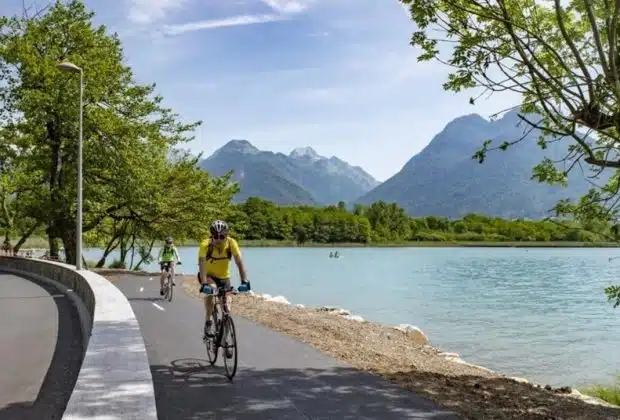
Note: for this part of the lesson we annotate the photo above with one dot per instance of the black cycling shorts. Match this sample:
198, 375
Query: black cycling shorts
220, 283
165, 265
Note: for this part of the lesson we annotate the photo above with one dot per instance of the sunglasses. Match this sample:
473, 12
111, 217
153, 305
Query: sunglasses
219, 236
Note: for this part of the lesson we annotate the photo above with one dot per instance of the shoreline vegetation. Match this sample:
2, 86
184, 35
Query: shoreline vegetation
261, 223
427, 244
38, 243
404, 356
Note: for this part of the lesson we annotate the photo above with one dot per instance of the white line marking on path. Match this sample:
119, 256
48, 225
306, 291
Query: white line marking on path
142, 289
150, 278
157, 306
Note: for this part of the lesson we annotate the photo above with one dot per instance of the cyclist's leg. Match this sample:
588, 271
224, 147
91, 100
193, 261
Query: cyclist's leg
226, 284
209, 303
162, 267
209, 306
172, 265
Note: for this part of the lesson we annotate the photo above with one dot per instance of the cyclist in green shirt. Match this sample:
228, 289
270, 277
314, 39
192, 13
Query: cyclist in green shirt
168, 256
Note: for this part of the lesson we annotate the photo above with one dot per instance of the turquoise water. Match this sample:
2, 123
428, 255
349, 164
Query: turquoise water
535, 313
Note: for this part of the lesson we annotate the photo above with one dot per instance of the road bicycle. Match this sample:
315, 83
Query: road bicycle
168, 281
224, 325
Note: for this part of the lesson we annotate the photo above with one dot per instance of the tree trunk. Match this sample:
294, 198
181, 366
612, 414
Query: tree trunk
133, 248
6, 246
144, 256
111, 246
69, 242
124, 249
25, 237
53, 244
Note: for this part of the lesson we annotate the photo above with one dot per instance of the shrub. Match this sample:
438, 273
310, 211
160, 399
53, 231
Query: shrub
117, 264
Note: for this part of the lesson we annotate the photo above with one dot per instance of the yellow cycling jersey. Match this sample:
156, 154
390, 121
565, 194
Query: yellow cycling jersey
218, 262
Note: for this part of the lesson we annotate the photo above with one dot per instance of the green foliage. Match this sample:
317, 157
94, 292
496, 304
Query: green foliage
261, 220
137, 187
613, 295
258, 219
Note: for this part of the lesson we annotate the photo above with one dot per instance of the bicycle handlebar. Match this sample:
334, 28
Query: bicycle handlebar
221, 291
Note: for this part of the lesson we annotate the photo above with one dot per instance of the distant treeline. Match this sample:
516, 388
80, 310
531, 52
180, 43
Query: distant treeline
381, 222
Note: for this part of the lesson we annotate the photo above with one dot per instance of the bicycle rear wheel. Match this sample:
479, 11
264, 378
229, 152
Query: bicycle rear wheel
229, 346
212, 342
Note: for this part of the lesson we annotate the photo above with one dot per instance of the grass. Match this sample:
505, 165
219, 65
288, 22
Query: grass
607, 393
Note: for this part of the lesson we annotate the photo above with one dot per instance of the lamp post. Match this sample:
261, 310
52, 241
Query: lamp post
72, 68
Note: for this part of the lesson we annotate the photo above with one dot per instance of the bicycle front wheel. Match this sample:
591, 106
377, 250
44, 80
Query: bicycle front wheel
230, 347
212, 342
170, 287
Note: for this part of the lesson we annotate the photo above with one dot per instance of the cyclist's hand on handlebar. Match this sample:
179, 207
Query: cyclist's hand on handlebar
245, 286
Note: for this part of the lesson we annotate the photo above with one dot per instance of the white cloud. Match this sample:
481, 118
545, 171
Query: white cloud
288, 6
147, 11
220, 23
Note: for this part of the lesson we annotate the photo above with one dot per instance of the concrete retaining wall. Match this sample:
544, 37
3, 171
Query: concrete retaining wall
115, 380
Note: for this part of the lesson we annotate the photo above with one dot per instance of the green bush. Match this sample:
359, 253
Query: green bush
117, 264
429, 237
495, 237
470, 237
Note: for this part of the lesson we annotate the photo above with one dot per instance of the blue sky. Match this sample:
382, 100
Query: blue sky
337, 75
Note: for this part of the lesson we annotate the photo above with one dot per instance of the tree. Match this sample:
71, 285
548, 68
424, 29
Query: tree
388, 221
127, 131
180, 200
561, 58
18, 193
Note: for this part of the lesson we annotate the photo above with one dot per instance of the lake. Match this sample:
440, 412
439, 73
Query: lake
534, 313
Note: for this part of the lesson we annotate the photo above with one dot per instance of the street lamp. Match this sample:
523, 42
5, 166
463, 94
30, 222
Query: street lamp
72, 68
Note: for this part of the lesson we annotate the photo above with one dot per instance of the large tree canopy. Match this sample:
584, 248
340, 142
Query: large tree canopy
560, 57
129, 135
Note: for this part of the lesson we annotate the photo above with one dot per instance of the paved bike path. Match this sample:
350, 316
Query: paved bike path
40, 349
278, 377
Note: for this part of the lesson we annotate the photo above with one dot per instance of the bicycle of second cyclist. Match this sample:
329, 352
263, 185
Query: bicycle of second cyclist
168, 280
223, 324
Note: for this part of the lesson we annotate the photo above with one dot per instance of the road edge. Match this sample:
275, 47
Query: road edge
115, 366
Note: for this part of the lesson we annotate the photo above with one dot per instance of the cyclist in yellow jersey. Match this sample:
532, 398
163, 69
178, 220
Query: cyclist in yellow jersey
214, 258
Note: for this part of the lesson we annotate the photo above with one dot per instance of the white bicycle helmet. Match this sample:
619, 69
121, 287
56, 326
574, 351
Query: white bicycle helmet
218, 227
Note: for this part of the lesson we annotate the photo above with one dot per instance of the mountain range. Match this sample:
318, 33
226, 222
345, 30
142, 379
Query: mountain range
444, 180
441, 180
301, 177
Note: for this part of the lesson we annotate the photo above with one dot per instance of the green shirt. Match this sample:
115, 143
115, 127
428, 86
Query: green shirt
168, 254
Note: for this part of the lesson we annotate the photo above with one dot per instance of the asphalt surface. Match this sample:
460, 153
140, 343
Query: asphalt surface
278, 377
40, 349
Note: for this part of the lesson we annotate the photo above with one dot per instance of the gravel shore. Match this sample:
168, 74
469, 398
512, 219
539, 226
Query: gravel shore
407, 359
